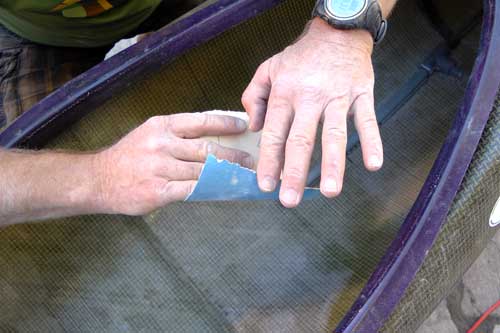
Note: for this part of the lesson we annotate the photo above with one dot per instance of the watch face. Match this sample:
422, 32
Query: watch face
345, 9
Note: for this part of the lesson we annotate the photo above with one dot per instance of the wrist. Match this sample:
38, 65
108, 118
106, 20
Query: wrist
359, 39
101, 195
82, 190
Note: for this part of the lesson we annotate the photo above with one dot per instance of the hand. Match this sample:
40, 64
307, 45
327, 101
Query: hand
323, 75
160, 161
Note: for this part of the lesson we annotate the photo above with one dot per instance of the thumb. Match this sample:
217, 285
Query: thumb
177, 191
256, 95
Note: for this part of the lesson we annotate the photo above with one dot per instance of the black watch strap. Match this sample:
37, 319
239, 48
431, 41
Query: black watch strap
370, 19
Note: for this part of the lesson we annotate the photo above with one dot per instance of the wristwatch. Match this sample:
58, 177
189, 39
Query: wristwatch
353, 14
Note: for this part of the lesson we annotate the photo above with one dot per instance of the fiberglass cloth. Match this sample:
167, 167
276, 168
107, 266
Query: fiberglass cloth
229, 267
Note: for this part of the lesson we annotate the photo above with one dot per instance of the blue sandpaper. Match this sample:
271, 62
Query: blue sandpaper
221, 180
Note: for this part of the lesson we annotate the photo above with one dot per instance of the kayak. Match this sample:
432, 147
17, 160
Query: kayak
378, 258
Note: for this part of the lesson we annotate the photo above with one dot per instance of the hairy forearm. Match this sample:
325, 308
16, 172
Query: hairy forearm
387, 6
41, 185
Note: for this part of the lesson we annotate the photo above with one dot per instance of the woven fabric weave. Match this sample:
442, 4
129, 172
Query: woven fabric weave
462, 238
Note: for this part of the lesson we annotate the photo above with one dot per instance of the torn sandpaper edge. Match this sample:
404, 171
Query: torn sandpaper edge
221, 180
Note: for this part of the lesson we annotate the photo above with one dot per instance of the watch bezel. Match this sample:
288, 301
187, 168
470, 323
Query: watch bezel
329, 11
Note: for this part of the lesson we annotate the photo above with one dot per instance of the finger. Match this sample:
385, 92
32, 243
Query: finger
181, 171
368, 131
299, 149
177, 191
272, 145
256, 96
197, 150
195, 125
334, 148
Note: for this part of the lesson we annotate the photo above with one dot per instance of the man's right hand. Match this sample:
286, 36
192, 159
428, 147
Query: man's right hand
160, 161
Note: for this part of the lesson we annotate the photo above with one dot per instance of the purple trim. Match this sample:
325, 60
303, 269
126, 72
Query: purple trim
406, 254
79, 96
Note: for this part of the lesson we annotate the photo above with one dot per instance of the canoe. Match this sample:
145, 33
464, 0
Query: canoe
378, 258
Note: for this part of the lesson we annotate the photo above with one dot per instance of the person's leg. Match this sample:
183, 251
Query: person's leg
29, 71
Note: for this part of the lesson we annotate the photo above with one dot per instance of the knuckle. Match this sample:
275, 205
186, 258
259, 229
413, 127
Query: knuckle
188, 171
225, 153
365, 89
336, 134
230, 122
272, 138
272, 142
172, 123
332, 165
195, 171
204, 120
153, 143
201, 149
207, 148
228, 154
368, 123
341, 99
158, 121
195, 120
240, 156
281, 89
173, 169
263, 68
153, 120
293, 175
301, 142
281, 105
246, 99
159, 191
311, 93
235, 155
156, 165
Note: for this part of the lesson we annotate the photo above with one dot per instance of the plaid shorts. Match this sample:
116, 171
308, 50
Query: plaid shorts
30, 71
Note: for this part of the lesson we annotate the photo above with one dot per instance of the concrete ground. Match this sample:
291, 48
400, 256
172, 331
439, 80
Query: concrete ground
478, 290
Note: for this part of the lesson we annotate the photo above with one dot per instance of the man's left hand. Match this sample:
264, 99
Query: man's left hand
324, 75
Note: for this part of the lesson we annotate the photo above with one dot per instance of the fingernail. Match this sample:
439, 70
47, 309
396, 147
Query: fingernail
331, 186
374, 162
248, 161
241, 124
210, 148
268, 184
290, 197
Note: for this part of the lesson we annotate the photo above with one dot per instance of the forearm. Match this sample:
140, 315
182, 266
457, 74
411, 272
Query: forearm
42, 185
387, 6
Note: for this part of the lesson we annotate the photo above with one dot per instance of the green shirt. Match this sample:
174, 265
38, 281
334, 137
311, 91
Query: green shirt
74, 23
